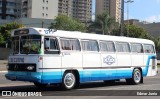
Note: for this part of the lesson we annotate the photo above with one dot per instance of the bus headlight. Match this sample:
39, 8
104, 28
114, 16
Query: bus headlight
30, 68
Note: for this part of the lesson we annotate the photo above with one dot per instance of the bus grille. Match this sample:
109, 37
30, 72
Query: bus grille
21, 67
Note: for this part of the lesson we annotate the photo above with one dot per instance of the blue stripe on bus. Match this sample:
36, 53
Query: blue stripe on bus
41, 77
145, 70
85, 75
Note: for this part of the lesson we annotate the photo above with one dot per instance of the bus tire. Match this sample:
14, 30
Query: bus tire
69, 80
136, 77
39, 85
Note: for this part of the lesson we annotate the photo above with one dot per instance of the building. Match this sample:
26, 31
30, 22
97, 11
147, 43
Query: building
65, 7
112, 6
9, 9
80, 9
45, 9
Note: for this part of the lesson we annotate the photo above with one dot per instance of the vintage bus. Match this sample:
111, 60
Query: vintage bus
68, 58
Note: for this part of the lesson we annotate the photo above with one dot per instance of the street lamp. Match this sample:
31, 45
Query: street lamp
122, 18
128, 1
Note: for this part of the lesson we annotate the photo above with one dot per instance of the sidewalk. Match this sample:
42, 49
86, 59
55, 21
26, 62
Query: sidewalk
3, 64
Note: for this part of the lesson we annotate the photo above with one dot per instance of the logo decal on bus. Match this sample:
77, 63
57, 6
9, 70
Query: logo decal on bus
109, 60
49, 31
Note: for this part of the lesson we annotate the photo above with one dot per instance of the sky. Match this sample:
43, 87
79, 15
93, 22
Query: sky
144, 10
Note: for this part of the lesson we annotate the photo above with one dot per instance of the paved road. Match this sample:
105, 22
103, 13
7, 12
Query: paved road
94, 90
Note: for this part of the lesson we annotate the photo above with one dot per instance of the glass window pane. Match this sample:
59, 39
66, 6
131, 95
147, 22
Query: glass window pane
53, 44
107, 46
90, 45
137, 48
148, 48
70, 44
122, 47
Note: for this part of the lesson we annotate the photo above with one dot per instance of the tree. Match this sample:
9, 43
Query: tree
134, 31
63, 22
104, 23
5, 32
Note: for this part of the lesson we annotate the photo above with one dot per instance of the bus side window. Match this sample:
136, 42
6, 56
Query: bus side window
51, 46
148, 48
136, 48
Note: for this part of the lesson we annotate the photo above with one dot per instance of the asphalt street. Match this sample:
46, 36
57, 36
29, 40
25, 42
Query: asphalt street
92, 90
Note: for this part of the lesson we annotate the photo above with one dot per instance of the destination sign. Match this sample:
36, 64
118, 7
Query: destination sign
20, 32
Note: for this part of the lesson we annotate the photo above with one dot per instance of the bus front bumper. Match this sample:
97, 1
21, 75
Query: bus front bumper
44, 78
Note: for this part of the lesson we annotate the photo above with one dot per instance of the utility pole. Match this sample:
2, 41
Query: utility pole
128, 1
122, 18
42, 23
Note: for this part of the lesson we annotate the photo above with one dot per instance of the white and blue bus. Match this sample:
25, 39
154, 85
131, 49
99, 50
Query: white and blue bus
45, 57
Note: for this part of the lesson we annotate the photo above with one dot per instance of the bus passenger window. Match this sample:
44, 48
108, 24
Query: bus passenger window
90, 45
107, 46
70, 44
148, 48
51, 46
122, 47
136, 48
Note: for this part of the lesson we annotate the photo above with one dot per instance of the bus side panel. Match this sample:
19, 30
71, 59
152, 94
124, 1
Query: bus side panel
52, 72
124, 64
109, 65
150, 65
137, 60
91, 66
71, 60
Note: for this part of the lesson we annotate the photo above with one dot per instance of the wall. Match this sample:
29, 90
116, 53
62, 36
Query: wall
4, 53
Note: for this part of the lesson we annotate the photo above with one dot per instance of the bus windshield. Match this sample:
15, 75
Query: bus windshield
30, 44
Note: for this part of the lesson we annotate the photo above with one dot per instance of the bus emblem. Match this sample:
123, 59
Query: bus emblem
109, 60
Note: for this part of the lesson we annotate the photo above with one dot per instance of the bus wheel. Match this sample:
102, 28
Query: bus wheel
136, 77
39, 85
69, 80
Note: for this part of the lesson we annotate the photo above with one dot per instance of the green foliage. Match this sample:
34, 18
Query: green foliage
138, 32
134, 31
5, 32
2, 42
103, 23
63, 22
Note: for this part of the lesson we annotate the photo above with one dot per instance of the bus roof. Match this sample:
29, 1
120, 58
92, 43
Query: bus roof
76, 34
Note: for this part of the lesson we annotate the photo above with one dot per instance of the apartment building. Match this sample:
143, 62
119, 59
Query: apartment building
80, 9
65, 7
112, 6
45, 9
9, 9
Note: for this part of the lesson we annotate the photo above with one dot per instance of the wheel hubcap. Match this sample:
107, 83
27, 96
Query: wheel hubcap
137, 76
69, 80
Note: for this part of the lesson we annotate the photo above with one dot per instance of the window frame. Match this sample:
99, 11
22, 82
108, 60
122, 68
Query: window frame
137, 52
98, 50
123, 51
154, 51
51, 51
103, 41
62, 38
